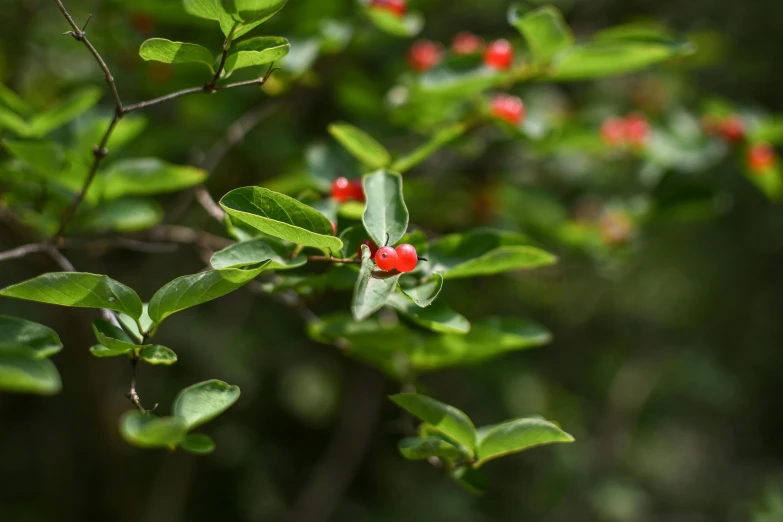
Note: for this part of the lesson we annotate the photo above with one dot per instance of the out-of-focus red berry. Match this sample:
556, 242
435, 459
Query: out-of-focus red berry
424, 55
466, 42
761, 156
357, 190
397, 7
342, 190
732, 129
636, 129
509, 108
371, 245
334, 227
613, 130
499, 54
142, 22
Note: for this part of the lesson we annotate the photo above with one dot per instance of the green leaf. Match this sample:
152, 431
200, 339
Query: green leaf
424, 294
485, 252
198, 443
112, 338
361, 145
204, 401
441, 138
46, 158
438, 317
157, 354
769, 181
148, 431
257, 51
281, 216
146, 176
210, 9
90, 131
611, 58
405, 26
352, 237
101, 351
545, 30
166, 51
12, 100
14, 123
78, 289
450, 81
192, 290
37, 340
254, 251
446, 419
23, 374
373, 287
253, 11
518, 435
124, 215
385, 215
414, 448
473, 480
79, 103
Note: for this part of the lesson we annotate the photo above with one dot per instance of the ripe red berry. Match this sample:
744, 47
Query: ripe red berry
509, 108
397, 7
636, 129
499, 54
466, 43
424, 55
407, 258
357, 190
341, 189
613, 130
761, 156
732, 129
386, 258
371, 245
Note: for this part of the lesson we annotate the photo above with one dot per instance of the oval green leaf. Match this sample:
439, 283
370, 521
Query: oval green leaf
204, 401
35, 340
385, 215
438, 317
252, 11
192, 290
361, 145
78, 289
439, 139
516, 436
112, 337
157, 354
198, 444
544, 29
281, 216
102, 351
166, 51
373, 287
414, 448
405, 26
148, 431
424, 294
145, 176
255, 251
23, 374
446, 419
256, 51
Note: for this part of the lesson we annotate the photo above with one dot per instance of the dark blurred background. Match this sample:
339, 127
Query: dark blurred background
665, 363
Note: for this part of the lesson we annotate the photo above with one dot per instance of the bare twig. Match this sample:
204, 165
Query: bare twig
22, 251
178, 234
328, 259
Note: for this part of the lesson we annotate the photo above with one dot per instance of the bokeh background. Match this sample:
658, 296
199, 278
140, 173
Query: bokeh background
666, 358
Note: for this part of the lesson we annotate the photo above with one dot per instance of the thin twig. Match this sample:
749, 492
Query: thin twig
22, 251
179, 234
328, 259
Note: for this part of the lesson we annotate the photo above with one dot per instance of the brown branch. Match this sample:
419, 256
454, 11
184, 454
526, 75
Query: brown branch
328, 259
179, 234
22, 251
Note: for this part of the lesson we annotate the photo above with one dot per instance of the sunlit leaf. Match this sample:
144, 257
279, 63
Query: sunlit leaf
166, 51
204, 401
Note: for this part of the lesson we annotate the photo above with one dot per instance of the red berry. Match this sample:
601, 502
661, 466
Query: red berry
761, 156
386, 258
424, 55
732, 129
466, 43
613, 130
371, 245
636, 129
406, 258
499, 54
334, 227
398, 7
357, 190
509, 108
341, 189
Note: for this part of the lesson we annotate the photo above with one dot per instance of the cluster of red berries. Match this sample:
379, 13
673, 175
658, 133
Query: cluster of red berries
396, 7
760, 157
630, 130
344, 190
426, 54
404, 257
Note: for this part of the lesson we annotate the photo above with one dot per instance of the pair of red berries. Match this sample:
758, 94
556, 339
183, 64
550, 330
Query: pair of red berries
509, 108
761, 156
404, 257
344, 190
396, 7
631, 130
731, 129
425, 54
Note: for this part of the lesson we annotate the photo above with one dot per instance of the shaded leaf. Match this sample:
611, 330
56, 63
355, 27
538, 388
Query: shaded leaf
414, 448
385, 216
281, 216
405, 26
78, 289
473, 480
545, 30
124, 215
102, 351
424, 294
112, 338
45, 122
254, 251
148, 431
23, 374
257, 51
518, 435
38, 341
198, 443
436, 142
145, 176
447, 419
360, 144
204, 401
166, 51
373, 287
46, 158
192, 290
438, 317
